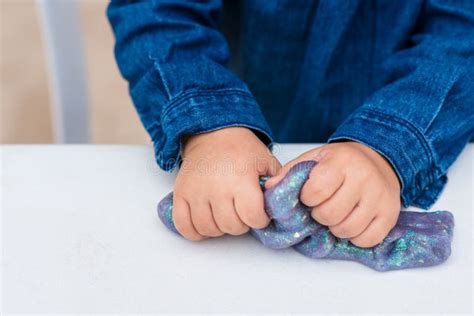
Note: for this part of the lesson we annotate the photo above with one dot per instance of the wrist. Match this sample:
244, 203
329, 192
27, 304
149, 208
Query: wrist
215, 138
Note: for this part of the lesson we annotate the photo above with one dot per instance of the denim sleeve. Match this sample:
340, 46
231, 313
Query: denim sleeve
422, 118
174, 57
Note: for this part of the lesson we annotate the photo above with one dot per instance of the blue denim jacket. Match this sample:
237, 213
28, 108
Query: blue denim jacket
397, 76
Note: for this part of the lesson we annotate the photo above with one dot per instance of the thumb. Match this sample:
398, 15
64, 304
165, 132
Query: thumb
281, 173
309, 155
268, 166
273, 167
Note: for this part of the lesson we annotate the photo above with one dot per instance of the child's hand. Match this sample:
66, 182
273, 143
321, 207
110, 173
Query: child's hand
217, 190
353, 190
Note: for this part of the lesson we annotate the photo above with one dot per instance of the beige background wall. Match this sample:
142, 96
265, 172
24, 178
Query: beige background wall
24, 99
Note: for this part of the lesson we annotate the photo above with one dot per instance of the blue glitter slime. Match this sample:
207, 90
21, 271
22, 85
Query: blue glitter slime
417, 240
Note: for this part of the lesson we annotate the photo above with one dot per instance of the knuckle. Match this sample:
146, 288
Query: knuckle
331, 221
230, 222
254, 215
308, 194
180, 223
317, 189
322, 216
217, 233
328, 216
205, 229
226, 227
337, 231
238, 230
208, 232
368, 241
323, 192
343, 231
339, 215
232, 228
256, 220
360, 242
201, 230
187, 231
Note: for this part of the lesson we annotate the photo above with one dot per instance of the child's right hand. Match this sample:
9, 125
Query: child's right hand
217, 189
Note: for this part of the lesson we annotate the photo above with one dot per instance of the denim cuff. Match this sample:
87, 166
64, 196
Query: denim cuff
404, 146
198, 112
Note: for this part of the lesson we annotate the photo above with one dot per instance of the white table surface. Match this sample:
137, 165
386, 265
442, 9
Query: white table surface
80, 234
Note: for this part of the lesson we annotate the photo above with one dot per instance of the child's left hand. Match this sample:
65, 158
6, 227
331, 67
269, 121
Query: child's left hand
353, 190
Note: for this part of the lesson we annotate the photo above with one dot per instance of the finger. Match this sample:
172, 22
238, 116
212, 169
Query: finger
226, 217
334, 210
324, 181
355, 223
203, 220
309, 155
182, 220
273, 167
374, 234
248, 204
267, 165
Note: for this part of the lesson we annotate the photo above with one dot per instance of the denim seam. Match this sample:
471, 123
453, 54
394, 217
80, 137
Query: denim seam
157, 68
199, 105
188, 95
245, 100
244, 103
453, 78
382, 118
426, 203
378, 121
421, 142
